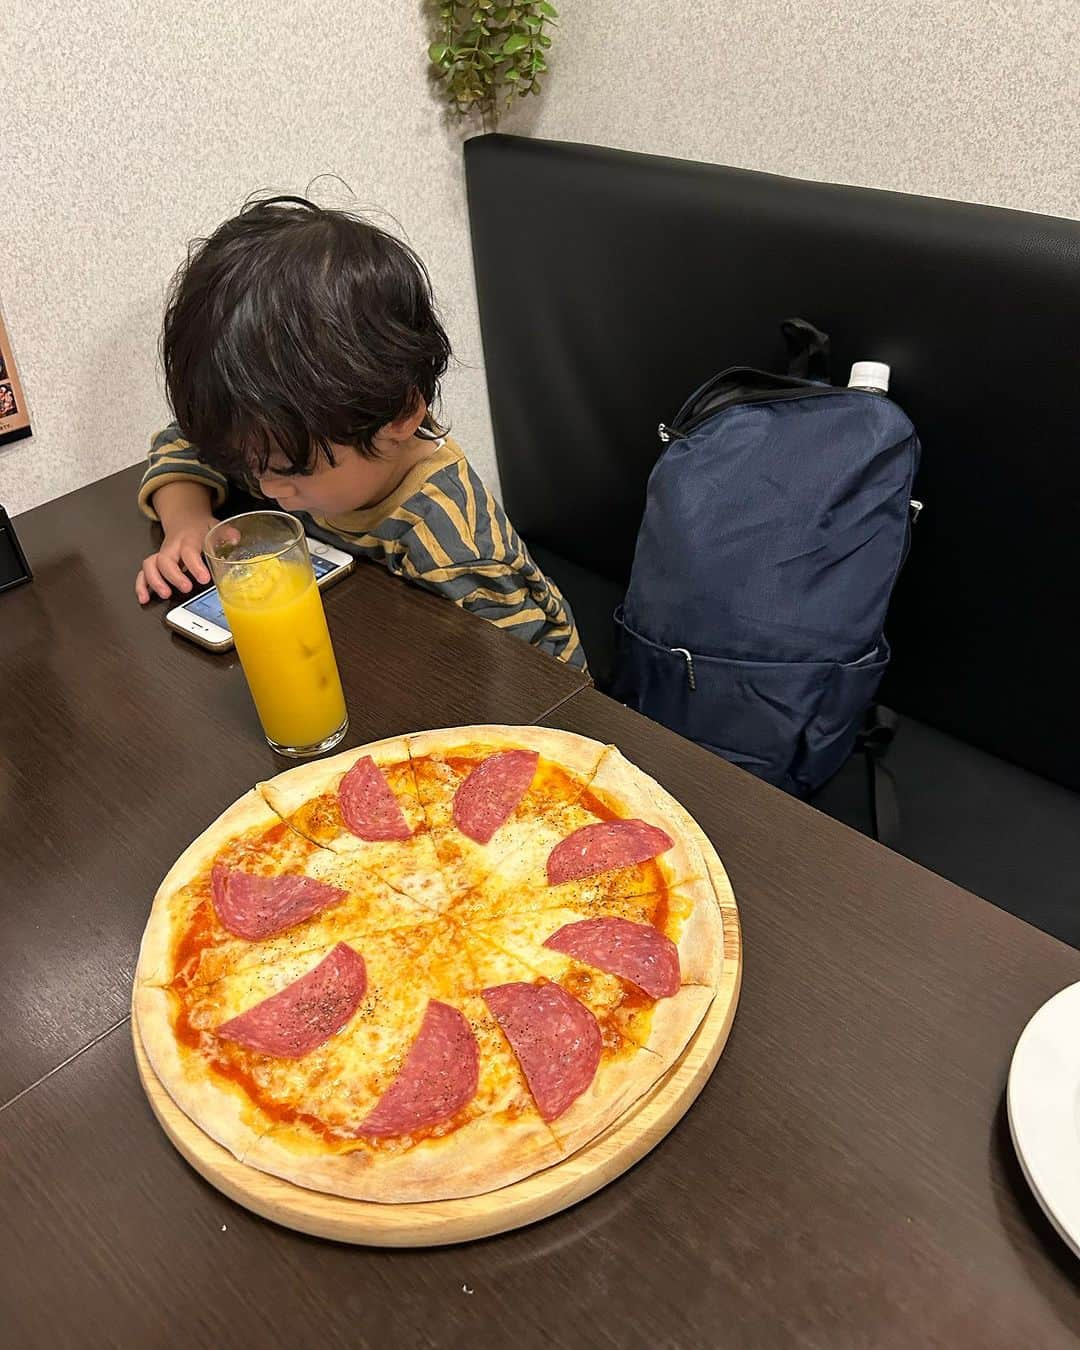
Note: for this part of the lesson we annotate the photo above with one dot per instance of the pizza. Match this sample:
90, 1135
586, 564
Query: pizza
429, 967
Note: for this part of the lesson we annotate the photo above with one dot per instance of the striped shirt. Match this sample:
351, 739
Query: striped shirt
440, 528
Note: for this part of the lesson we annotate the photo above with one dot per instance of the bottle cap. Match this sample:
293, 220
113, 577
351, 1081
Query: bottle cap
870, 375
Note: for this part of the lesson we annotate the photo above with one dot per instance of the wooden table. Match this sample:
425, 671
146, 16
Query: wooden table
846, 1178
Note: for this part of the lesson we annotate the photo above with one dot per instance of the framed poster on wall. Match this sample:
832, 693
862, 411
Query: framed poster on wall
14, 418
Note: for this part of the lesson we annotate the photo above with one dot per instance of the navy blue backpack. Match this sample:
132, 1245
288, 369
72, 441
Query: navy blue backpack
776, 522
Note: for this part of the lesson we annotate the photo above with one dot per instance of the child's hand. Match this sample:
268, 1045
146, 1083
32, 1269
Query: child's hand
177, 560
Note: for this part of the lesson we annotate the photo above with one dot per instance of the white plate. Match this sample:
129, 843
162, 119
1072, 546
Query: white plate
1044, 1109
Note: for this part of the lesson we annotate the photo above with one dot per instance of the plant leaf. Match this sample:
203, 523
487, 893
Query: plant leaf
488, 53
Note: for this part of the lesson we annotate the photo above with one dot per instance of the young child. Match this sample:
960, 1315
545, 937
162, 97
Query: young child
302, 356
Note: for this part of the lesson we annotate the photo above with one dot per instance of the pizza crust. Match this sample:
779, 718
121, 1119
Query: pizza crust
481, 1156
676, 1019
701, 937
224, 1112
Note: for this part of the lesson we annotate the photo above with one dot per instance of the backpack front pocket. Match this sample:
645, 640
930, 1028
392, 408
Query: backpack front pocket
790, 723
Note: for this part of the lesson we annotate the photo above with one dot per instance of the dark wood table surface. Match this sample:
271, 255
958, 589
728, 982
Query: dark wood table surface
845, 1179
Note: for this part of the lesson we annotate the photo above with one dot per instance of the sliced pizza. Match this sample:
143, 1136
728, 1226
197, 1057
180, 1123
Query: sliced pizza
571, 1038
363, 806
267, 893
485, 796
438, 1109
429, 967
612, 843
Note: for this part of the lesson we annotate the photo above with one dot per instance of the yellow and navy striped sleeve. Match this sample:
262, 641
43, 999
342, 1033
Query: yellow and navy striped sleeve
451, 536
504, 584
174, 460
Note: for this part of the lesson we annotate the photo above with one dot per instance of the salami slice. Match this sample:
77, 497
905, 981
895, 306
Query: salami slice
556, 1039
368, 806
490, 793
290, 1024
636, 951
606, 845
438, 1078
255, 907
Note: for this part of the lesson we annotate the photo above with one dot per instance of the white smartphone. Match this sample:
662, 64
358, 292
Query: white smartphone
202, 618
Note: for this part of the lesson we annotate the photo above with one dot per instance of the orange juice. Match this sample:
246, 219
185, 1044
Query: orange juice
276, 616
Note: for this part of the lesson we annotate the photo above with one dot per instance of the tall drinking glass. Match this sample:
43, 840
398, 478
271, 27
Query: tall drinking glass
263, 573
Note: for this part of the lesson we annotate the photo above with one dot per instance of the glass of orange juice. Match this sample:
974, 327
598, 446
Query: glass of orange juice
267, 587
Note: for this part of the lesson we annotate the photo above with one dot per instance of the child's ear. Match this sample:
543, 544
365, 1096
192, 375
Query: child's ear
406, 426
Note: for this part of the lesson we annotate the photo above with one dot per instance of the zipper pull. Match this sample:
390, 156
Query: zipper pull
916, 511
665, 433
690, 680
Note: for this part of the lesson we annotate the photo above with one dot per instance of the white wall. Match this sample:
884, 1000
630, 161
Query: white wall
127, 127
974, 99
130, 126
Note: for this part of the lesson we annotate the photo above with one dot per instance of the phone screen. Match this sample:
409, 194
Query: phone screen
208, 605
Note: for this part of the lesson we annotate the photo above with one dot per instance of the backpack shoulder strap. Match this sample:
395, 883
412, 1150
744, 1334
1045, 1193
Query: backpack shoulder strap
808, 349
878, 731
808, 365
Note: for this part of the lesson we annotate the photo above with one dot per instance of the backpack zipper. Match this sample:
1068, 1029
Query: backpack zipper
668, 434
690, 680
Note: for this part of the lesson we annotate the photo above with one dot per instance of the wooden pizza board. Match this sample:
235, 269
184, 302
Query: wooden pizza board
436, 1223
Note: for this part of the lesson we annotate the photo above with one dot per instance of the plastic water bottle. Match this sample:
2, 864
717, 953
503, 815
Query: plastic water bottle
873, 376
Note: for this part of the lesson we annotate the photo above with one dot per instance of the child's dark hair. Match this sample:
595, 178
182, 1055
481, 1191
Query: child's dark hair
294, 327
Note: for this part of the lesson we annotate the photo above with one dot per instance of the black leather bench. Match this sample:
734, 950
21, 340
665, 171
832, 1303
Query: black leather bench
611, 284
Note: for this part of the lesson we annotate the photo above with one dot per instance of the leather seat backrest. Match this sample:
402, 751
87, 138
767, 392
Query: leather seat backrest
611, 284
